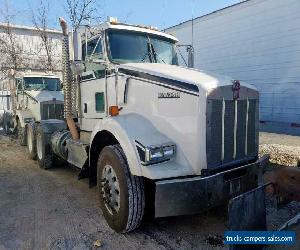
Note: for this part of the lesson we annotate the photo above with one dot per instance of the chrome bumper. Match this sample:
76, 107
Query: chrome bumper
196, 194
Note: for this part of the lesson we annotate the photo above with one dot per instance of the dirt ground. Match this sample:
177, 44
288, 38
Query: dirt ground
51, 209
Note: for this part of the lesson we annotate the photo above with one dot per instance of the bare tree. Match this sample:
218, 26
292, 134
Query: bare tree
81, 11
10, 49
12, 58
40, 22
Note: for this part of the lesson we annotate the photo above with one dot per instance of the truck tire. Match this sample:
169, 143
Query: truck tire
1, 117
21, 132
8, 124
121, 194
45, 156
31, 141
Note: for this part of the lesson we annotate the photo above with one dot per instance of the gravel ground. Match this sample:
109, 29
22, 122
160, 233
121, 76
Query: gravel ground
284, 150
53, 210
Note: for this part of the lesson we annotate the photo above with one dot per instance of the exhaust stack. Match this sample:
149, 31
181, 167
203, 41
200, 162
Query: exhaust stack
67, 80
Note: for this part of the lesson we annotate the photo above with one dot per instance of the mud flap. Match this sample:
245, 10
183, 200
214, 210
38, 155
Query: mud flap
247, 212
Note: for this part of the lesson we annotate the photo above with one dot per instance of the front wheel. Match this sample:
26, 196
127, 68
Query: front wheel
122, 197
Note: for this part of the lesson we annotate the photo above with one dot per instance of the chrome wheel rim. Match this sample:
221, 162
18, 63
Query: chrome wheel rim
110, 190
39, 146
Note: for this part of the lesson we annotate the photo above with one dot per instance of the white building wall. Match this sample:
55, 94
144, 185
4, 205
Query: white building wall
4, 100
33, 52
257, 41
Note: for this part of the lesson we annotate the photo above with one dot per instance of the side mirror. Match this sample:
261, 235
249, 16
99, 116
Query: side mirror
190, 55
190, 51
19, 84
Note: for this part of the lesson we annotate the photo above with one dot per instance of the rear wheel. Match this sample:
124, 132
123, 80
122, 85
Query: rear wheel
121, 194
1, 117
45, 156
31, 141
22, 137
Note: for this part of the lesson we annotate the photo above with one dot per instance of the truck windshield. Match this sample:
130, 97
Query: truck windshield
42, 83
129, 46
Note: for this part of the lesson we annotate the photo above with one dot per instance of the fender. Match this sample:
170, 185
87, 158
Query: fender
25, 117
128, 129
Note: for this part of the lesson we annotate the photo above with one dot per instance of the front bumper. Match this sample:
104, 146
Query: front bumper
196, 194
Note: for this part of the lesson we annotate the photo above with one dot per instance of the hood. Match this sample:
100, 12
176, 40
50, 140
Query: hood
205, 80
44, 95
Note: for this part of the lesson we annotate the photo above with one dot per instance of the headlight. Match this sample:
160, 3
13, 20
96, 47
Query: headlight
169, 151
155, 154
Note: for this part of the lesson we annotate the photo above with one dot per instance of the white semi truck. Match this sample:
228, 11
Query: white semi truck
34, 97
152, 135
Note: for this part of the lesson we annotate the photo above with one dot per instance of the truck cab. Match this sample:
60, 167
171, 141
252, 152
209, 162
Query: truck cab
114, 45
149, 133
37, 97
41, 96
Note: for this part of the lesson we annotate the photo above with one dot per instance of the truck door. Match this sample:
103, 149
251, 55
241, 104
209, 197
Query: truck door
93, 81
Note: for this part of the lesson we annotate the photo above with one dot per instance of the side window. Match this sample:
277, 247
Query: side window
94, 49
99, 101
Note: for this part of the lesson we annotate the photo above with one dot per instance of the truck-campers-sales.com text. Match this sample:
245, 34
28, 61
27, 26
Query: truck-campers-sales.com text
261, 239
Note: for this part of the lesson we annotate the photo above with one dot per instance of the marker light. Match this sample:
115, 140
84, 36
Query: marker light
113, 20
114, 110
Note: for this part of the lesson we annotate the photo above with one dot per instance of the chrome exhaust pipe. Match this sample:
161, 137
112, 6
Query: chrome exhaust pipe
67, 81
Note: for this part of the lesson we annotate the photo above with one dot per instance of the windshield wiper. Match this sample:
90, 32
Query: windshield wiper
148, 53
155, 55
151, 53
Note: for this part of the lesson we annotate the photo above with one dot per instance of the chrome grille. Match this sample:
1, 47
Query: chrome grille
232, 130
52, 111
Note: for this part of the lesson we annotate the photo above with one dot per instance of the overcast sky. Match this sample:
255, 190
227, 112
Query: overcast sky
158, 13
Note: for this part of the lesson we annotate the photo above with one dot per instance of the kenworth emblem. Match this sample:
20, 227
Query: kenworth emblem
169, 95
236, 86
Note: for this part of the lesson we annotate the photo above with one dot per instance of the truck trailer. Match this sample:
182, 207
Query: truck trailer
152, 135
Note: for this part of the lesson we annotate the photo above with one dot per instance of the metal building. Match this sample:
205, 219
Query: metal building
257, 41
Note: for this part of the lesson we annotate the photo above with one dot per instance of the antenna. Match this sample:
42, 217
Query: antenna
193, 6
163, 13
